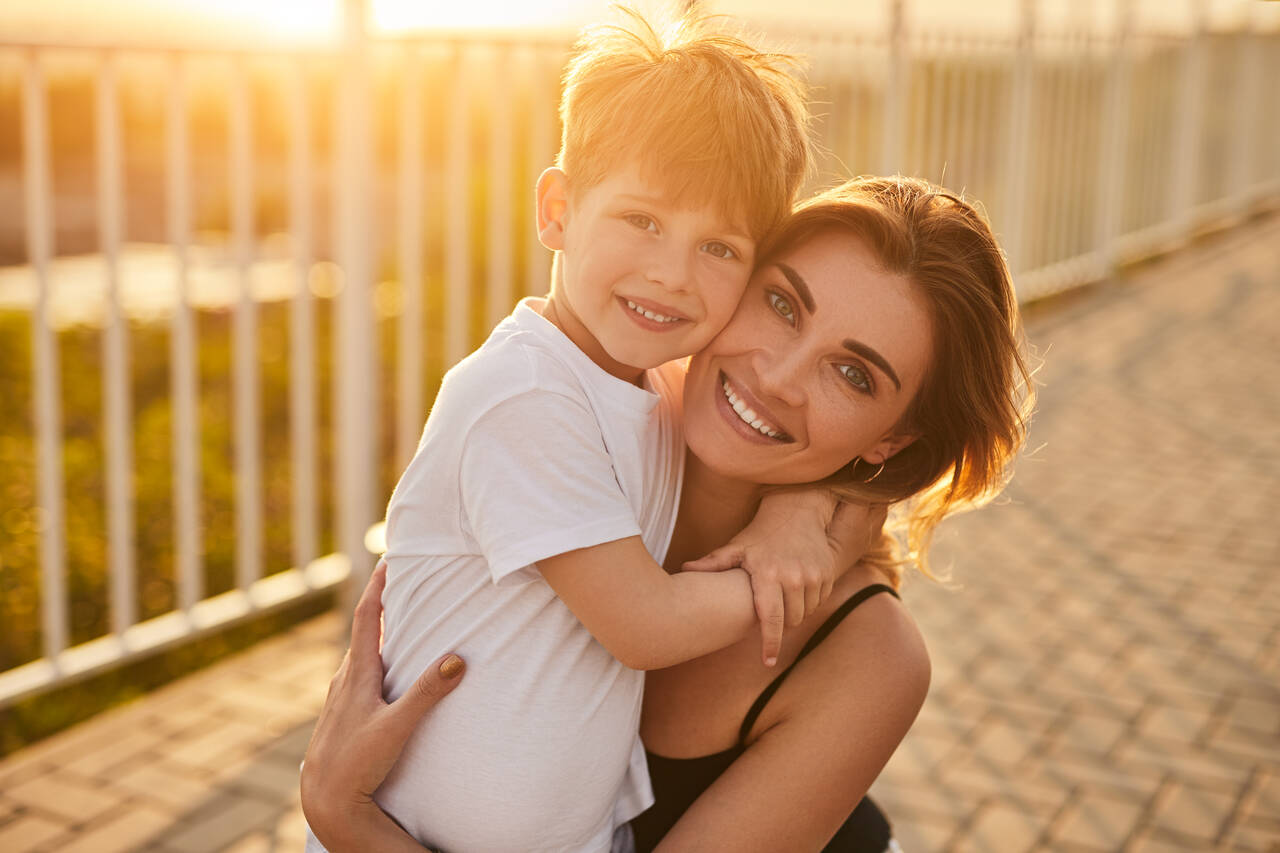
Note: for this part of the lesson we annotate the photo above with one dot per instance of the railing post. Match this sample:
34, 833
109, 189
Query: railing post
1188, 145
542, 153
355, 413
246, 384
1247, 108
457, 225
302, 332
183, 347
500, 260
115, 356
896, 89
410, 408
1115, 143
1021, 86
50, 489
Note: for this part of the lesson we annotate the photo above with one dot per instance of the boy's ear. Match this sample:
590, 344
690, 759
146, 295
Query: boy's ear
552, 207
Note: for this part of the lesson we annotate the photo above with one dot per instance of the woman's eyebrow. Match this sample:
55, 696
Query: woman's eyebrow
799, 284
858, 348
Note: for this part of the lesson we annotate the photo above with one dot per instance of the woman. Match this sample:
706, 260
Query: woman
879, 342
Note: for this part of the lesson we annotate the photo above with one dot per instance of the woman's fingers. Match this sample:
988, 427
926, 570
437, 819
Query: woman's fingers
432, 686
366, 622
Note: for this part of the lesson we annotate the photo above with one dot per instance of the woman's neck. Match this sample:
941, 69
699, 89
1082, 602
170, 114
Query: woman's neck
713, 508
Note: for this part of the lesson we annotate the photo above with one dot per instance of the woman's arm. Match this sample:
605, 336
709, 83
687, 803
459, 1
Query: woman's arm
359, 737
821, 741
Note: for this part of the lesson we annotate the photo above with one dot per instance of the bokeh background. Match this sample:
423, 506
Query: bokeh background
241, 243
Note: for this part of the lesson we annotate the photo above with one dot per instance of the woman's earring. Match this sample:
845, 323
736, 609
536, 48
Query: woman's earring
854, 470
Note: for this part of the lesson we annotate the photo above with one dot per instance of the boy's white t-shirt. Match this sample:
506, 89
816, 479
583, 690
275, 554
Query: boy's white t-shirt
531, 450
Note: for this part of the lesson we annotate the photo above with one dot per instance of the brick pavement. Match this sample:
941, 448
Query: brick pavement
209, 763
1106, 661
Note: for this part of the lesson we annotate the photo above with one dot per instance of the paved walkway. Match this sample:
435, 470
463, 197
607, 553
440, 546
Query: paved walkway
1106, 667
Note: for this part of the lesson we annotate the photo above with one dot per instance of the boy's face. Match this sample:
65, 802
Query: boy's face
642, 280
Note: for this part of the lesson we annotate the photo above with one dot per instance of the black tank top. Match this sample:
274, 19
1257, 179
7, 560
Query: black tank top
677, 782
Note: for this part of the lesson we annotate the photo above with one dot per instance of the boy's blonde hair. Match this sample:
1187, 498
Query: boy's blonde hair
705, 114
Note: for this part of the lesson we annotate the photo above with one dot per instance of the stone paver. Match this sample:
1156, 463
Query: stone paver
1129, 582
1106, 664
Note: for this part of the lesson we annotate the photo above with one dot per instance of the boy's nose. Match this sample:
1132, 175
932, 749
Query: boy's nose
670, 271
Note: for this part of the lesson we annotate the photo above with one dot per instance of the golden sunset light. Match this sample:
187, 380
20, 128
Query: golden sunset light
632, 357
482, 14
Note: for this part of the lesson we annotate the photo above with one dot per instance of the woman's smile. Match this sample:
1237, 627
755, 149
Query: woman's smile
745, 413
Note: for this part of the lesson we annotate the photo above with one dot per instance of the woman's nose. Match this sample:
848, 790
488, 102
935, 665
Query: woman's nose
779, 371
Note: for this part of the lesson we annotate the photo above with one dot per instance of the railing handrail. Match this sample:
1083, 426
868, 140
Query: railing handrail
1009, 120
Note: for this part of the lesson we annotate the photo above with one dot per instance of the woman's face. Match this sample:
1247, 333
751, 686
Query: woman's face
817, 366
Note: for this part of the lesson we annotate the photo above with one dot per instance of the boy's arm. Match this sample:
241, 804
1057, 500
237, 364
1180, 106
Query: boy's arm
794, 549
645, 617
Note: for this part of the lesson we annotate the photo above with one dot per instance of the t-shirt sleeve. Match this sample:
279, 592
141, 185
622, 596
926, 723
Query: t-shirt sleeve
537, 481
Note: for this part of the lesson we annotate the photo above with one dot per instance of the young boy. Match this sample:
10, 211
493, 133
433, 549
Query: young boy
527, 532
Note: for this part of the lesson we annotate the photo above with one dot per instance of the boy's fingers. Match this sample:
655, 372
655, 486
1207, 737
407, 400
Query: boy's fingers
812, 598
432, 686
770, 613
726, 557
794, 607
366, 622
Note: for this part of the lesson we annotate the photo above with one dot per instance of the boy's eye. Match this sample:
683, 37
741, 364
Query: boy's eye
856, 375
781, 306
720, 250
639, 220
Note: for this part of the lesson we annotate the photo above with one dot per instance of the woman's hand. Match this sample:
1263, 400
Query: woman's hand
795, 547
359, 736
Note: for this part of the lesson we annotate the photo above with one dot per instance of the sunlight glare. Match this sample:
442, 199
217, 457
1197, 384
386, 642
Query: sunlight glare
288, 18
482, 14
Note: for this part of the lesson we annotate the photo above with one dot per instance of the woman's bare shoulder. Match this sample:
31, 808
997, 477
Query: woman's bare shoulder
876, 654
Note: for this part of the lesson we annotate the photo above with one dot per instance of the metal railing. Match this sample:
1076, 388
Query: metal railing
1089, 148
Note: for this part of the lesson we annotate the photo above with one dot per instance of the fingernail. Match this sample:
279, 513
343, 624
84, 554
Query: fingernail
452, 666
770, 661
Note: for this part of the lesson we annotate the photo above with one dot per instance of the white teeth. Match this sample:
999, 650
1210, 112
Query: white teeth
747, 415
658, 318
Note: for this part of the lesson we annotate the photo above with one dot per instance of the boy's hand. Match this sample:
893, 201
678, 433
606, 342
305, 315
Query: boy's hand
791, 559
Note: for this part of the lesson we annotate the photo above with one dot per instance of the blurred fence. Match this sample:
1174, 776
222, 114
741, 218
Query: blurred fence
400, 171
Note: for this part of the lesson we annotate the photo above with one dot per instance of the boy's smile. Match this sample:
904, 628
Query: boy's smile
641, 279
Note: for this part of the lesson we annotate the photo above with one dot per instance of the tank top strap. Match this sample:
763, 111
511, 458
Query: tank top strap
818, 636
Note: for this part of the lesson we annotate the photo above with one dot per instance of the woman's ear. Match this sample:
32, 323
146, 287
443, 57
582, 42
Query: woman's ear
889, 445
552, 207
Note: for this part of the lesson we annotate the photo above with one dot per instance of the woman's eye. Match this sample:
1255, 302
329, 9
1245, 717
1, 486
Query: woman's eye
782, 306
719, 250
641, 221
858, 377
